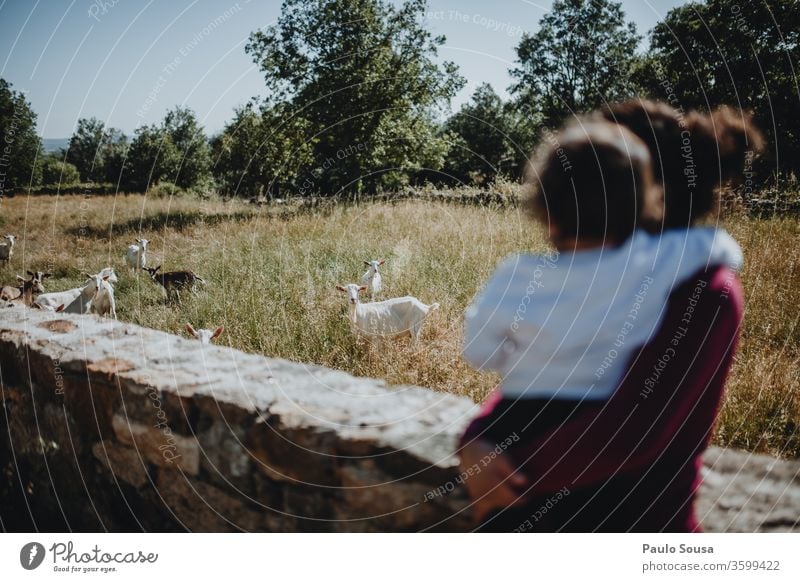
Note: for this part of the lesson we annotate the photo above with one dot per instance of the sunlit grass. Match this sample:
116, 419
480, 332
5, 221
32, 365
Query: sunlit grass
272, 274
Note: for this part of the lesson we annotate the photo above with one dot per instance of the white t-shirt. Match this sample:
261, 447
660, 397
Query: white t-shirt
565, 325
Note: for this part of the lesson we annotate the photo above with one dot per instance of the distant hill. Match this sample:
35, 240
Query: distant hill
53, 144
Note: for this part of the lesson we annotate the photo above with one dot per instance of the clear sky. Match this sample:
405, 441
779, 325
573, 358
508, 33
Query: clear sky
126, 62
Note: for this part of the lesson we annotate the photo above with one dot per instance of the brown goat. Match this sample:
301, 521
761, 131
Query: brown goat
174, 281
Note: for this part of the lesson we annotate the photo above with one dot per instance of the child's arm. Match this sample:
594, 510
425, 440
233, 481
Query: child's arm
488, 320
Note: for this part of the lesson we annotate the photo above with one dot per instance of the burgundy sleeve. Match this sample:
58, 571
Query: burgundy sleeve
668, 398
481, 423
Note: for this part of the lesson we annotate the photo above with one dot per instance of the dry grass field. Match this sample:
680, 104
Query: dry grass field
272, 273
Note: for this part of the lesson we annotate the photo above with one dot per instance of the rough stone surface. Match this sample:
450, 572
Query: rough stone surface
158, 444
124, 462
747, 492
110, 426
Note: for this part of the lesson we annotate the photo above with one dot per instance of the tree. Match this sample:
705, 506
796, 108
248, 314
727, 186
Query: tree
58, 172
115, 153
483, 142
186, 135
97, 151
176, 151
581, 57
85, 149
151, 158
743, 54
362, 76
20, 145
258, 152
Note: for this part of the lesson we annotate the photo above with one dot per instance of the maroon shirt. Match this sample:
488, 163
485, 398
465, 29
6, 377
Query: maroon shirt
631, 463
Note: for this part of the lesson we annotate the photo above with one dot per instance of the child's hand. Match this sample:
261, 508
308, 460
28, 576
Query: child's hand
493, 482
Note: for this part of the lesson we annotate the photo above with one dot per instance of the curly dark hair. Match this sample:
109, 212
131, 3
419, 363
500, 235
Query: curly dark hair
694, 154
592, 180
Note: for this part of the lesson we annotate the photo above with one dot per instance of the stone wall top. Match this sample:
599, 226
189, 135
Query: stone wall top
143, 430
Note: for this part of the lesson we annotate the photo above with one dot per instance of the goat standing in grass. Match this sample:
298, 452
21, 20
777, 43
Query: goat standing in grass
174, 281
103, 302
393, 318
372, 278
204, 335
136, 255
7, 248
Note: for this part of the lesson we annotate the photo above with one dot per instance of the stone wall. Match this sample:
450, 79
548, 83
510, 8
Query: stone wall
110, 426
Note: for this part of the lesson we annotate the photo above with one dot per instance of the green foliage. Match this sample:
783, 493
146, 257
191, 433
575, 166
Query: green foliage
742, 54
581, 57
97, 152
151, 158
362, 76
55, 171
175, 151
193, 153
85, 149
115, 152
165, 190
258, 153
20, 145
490, 138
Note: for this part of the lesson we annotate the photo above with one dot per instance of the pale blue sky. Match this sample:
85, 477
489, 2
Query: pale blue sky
127, 62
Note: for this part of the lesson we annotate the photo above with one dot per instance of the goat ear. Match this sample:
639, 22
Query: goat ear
190, 330
31, 274
60, 308
106, 277
88, 276
20, 278
367, 263
218, 332
46, 275
382, 261
340, 288
362, 288
36, 305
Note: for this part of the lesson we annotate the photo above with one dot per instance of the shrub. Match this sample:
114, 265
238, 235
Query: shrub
58, 172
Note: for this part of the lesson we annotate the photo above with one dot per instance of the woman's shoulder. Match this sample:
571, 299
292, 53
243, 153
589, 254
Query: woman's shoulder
715, 286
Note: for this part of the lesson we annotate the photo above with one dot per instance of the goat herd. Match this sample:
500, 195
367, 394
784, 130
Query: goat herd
391, 318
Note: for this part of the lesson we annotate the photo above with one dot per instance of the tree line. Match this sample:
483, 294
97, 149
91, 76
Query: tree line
356, 100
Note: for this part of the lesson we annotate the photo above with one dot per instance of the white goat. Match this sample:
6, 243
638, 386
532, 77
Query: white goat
372, 278
53, 300
7, 248
392, 318
103, 301
136, 255
83, 302
204, 335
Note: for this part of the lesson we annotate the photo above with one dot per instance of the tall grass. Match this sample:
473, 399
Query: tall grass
272, 275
